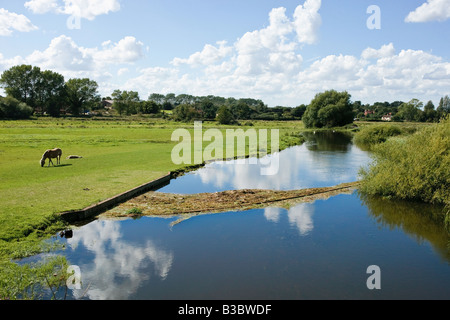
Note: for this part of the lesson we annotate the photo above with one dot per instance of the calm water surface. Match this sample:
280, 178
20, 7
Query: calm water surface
317, 250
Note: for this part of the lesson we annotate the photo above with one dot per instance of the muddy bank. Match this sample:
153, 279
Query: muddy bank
165, 204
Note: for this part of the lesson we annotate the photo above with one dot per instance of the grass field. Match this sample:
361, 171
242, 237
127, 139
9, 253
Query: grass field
117, 155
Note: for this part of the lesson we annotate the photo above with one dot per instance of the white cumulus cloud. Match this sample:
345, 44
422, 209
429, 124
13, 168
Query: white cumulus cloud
42, 6
209, 55
10, 21
385, 51
432, 10
87, 9
308, 21
65, 56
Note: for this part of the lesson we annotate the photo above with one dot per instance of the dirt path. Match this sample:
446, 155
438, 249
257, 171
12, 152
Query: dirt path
164, 204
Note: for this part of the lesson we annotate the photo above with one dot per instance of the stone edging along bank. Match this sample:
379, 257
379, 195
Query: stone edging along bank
98, 208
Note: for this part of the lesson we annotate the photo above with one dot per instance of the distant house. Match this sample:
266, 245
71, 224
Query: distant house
367, 112
107, 104
387, 117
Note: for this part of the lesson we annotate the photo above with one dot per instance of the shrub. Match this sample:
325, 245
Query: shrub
372, 135
414, 168
134, 211
11, 108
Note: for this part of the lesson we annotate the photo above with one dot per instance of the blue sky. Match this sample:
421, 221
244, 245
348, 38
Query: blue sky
283, 52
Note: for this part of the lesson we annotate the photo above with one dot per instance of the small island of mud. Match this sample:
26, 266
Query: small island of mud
166, 204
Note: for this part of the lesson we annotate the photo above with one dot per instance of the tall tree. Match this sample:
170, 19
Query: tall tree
208, 109
411, 111
241, 111
224, 115
157, 98
299, 111
329, 109
82, 94
126, 101
429, 112
148, 107
185, 112
51, 92
22, 83
444, 106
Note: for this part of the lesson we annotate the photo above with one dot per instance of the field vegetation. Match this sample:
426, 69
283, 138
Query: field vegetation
413, 167
117, 154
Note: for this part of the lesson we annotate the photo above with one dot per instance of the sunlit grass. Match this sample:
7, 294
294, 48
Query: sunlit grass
117, 155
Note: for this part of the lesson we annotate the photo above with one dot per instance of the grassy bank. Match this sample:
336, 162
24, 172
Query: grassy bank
118, 154
413, 167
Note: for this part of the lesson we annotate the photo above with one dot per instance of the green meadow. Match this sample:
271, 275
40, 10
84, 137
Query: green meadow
117, 155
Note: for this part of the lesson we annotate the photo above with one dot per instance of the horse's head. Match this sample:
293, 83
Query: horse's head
42, 162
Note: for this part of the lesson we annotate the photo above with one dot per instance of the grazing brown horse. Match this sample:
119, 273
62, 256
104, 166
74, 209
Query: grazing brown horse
51, 154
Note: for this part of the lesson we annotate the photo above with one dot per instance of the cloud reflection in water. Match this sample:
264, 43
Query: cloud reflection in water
300, 217
118, 268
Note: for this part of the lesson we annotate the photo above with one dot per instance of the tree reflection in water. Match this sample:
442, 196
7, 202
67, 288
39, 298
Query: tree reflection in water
421, 221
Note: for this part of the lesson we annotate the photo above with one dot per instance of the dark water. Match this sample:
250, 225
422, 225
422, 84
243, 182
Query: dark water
317, 250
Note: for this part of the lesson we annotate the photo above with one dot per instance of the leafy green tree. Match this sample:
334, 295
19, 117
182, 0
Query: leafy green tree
82, 94
411, 111
36, 88
208, 109
126, 101
299, 111
167, 106
430, 113
185, 99
241, 111
157, 98
22, 83
148, 107
444, 107
329, 109
171, 99
52, 92
185, 112
225, 116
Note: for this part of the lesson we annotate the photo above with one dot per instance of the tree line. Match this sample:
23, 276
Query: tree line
33, 91
45, 92
413, 110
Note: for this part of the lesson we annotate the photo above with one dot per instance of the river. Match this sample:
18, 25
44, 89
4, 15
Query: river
319, 250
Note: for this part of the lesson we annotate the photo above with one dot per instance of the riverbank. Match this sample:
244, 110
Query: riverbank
118, 154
